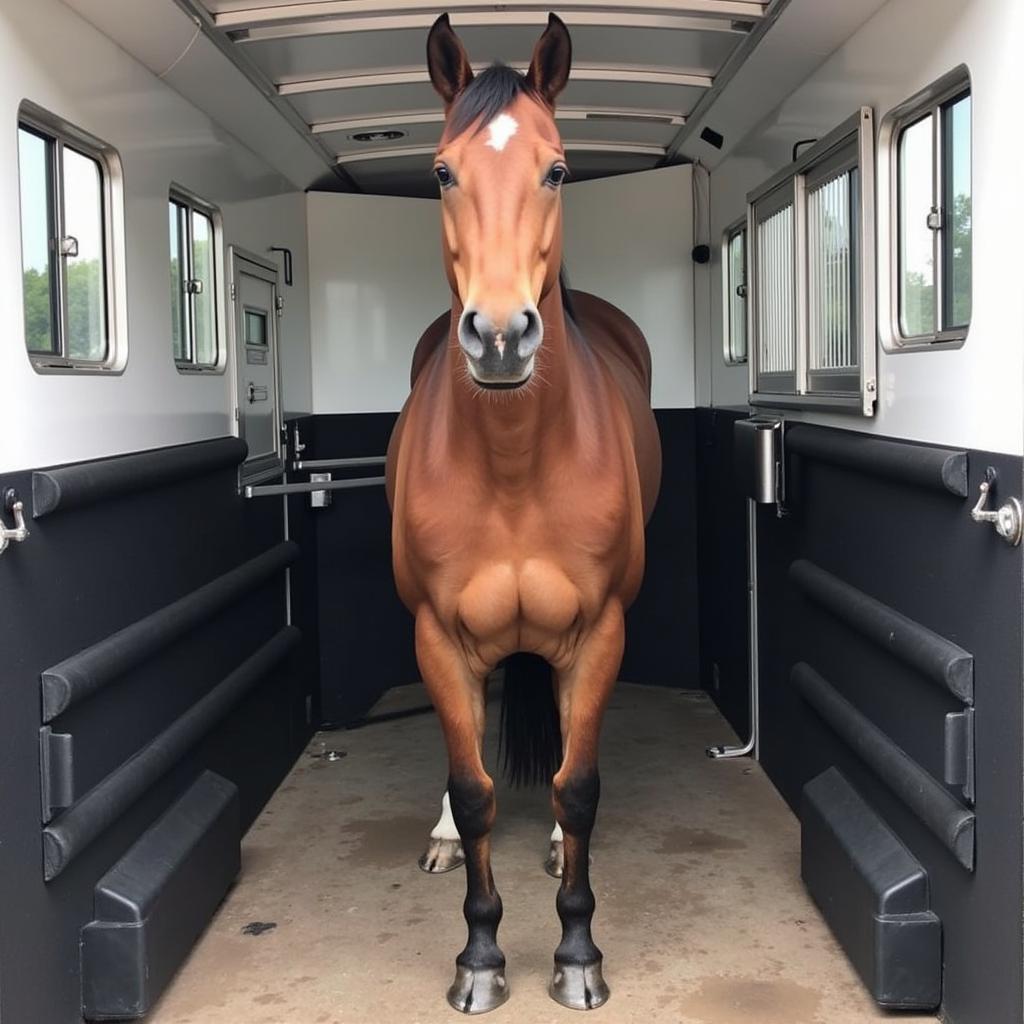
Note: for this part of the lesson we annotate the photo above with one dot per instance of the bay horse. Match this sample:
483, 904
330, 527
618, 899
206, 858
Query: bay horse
521, 474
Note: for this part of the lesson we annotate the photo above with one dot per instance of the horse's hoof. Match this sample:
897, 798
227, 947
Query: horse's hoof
442, 855
477, 991
556, 859
579, 987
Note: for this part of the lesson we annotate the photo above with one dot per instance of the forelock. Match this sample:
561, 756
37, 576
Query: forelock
490, 93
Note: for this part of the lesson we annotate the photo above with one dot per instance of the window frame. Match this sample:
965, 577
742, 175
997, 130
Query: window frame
59, 134
192, 202
851, 145
736, 229
931, 101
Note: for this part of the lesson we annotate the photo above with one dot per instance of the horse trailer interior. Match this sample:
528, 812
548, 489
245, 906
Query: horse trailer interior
221, 758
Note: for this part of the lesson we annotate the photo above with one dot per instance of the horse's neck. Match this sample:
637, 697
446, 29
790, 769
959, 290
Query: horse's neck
509, 431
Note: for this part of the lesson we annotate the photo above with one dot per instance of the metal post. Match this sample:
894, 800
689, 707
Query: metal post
751, 746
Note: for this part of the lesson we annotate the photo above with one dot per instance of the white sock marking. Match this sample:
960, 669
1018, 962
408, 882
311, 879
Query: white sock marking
502, 128
556, 834
445, 827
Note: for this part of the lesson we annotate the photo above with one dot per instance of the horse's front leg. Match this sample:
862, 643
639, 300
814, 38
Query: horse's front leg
583, 692
458, 695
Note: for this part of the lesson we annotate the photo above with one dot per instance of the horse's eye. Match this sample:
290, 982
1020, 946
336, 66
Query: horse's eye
556, 175
445, 178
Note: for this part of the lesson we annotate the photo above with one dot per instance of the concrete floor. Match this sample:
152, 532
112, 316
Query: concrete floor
700, 911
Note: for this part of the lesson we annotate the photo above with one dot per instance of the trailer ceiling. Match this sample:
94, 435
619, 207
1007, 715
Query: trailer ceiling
648, 75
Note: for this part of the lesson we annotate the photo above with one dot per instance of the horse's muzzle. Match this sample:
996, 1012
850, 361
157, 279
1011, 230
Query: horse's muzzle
500, 358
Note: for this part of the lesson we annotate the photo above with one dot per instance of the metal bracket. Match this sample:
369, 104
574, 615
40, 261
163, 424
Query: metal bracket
1008, 519
19, 534
959, 751
321, 498
56, 771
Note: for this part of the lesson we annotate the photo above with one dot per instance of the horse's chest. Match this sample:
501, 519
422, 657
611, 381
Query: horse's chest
504, 601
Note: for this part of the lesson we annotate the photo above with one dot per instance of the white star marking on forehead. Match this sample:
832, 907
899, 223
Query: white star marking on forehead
502, 128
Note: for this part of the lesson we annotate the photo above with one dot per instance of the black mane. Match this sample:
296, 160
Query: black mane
486, 96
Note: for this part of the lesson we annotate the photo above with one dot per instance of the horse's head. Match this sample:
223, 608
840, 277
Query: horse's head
500, 165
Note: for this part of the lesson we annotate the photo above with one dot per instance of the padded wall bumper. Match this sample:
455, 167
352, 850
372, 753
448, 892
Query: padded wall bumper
873, 893
154, 903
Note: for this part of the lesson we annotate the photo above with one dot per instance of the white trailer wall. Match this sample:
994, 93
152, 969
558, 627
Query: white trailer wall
377, 281
51, 56
971, 396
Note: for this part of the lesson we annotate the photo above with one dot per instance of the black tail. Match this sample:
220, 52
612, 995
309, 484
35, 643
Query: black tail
531, 738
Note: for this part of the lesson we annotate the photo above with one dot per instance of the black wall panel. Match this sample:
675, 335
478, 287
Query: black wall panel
661, 627
83, 574
916, 550
366, 634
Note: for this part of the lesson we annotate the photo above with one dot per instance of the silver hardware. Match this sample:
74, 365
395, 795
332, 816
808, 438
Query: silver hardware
234, 291
279, 305
68, 246
193, 286
20, 532
1008, 519
269, 490
321, 498
257, 393
299, 445
741, 290
935, 219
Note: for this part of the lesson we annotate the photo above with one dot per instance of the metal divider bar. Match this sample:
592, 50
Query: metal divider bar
268, 490
367, 460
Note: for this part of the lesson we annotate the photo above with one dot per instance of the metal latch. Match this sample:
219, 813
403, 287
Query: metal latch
20, 532
257, 393
1007, 519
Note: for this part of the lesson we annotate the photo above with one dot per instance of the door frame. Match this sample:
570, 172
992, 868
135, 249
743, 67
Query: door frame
265, 467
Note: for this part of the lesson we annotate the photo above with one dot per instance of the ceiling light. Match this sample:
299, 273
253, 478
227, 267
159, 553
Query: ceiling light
383, 135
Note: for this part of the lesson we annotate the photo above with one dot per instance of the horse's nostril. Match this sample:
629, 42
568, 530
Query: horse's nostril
530, 339
471, 333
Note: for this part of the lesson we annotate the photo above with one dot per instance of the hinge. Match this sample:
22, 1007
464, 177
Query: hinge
234, 291
56, 771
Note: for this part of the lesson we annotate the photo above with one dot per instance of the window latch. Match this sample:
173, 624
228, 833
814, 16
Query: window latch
20, 532
935, 219
193, 286
69, 246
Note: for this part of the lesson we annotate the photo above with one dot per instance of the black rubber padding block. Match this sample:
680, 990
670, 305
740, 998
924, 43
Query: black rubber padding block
873, 893
155, 902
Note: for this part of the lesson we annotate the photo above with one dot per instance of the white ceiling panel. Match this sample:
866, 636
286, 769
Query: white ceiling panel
320, 56
325, 69
367, 100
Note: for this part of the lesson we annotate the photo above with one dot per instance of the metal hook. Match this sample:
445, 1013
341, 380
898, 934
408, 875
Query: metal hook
1008, 519
20, 532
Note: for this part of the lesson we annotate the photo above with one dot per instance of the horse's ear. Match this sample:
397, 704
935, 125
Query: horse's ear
447, 62
552, 59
